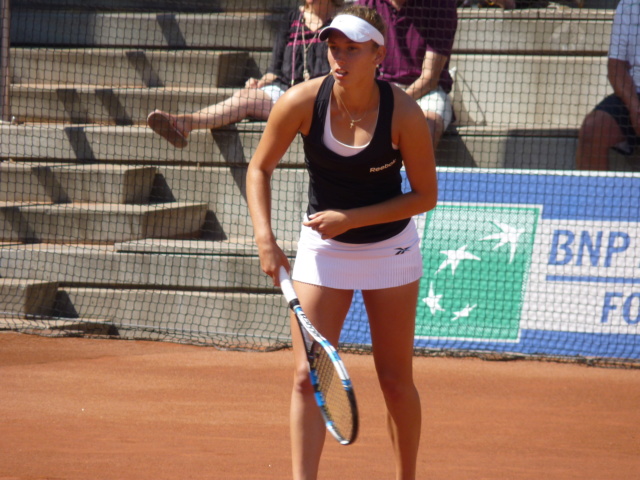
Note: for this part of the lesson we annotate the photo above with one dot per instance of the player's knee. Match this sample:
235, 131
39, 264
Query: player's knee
301, 382
395, 388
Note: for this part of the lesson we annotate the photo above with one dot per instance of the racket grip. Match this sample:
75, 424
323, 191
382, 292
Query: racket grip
286, 285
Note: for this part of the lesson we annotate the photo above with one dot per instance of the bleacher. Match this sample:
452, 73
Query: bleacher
79, 159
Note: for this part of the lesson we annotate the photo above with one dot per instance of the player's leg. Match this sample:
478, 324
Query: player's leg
598, 133
326, 308
392, 320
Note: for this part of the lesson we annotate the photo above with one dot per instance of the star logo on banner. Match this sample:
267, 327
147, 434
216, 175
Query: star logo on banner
508, 235
465, 312
433, 301
454, 257
484, 245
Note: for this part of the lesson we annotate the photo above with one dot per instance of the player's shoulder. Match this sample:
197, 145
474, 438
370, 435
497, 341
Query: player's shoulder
299, 98
403, 103
295, 107
302, 93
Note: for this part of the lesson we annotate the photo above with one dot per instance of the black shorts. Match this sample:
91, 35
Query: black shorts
615, 107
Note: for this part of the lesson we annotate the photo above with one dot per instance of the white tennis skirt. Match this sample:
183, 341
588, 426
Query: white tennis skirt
347, 266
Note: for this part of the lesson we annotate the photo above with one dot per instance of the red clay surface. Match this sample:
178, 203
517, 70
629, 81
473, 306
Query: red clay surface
88, 409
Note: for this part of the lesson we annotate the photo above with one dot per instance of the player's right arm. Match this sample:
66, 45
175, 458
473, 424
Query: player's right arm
291, 114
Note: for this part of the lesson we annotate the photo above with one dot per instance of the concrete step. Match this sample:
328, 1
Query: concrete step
555, 91
25, 298
155, 5
551, 30
28, 182
222, 189
238, 320
248, 31
60, 327
558, 31
131, 144
490, 146
153, 263
98, 223
126, 67
63, 183
508, 147
488, 89
519, 147
82, 104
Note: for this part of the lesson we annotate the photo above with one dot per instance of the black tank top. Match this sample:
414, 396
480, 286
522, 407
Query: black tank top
366, 178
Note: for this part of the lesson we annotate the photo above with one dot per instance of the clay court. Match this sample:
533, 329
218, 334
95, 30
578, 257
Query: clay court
78, 408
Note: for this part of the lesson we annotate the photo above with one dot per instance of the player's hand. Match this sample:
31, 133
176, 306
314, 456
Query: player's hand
271, 259
329, 223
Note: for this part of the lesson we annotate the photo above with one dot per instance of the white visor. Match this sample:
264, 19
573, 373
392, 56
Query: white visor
355, 28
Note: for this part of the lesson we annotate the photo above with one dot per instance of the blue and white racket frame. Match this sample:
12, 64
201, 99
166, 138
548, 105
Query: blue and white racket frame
310, 335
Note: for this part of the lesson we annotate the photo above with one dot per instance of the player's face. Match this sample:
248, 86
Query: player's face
352, 61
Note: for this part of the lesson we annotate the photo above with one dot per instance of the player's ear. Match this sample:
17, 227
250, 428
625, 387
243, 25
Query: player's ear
381, 53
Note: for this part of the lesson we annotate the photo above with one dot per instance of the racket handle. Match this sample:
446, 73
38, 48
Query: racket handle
286, 286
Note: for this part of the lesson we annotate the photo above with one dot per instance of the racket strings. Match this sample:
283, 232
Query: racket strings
337, 402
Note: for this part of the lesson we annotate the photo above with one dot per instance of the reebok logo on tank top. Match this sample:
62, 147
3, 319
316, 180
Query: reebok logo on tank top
383, 167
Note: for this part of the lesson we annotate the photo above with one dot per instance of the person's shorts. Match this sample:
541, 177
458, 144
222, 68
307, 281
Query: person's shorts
389, 263
274, 91
615, 107
437, 101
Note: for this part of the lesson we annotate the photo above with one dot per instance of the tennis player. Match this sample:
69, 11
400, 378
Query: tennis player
357, 232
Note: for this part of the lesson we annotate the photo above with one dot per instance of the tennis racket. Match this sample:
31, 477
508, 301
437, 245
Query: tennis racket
331, 383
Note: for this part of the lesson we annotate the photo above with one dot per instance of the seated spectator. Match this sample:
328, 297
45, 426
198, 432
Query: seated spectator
420, 35
615, 122
297, 55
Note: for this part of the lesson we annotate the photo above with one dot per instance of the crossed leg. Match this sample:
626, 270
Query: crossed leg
245, 103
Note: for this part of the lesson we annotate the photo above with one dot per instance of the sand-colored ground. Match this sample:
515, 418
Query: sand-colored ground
73, 408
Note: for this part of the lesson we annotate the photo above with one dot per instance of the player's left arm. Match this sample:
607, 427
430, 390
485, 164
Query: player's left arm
411, 133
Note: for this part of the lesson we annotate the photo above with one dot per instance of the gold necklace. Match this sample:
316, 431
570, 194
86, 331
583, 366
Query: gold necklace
353, 120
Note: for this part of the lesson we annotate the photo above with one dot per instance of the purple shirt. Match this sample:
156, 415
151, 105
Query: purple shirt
419, 26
